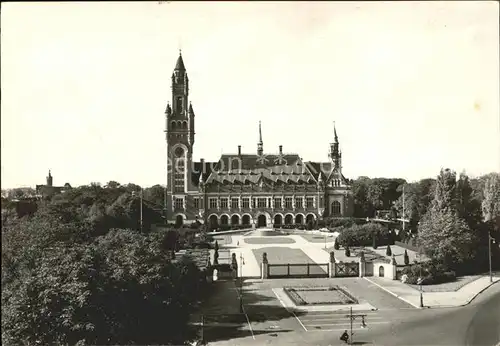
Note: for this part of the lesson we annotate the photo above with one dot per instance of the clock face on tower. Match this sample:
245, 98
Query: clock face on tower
179, 152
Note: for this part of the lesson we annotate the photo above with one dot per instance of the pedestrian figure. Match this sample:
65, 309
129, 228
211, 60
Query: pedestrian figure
238, 243
344, 337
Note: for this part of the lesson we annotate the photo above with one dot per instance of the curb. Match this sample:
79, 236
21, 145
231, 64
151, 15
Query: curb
478, 293
437, 306
392, 293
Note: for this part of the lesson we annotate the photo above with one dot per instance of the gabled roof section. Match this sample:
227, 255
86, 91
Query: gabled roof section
250, 168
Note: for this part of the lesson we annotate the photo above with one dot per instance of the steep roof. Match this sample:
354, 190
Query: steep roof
180, 64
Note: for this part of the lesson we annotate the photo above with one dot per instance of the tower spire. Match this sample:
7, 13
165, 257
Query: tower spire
260, 144
335, 133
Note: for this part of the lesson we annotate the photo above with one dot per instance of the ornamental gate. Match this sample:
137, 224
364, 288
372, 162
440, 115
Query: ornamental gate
298, 270
346, 269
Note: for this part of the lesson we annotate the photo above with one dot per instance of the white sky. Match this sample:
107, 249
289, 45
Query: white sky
413, 87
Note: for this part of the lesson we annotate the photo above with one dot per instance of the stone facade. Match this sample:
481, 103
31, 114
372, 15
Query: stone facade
258, 189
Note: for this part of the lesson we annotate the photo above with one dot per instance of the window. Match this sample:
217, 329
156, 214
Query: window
299, 202
277, 203
235, 203
223, 203
246, 202
196, 203
179, 103
335, 208
261, 202
179, 170
321, 202
213, 203
288, 202
179, 203
253, 202
309, 202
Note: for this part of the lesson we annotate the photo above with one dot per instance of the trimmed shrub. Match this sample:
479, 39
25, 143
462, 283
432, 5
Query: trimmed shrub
216, 246
374, 242
406, 258
388, 252
336, 245
363, 235
347, 252
432, 273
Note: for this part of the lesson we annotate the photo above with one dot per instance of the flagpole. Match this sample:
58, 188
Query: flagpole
403, 208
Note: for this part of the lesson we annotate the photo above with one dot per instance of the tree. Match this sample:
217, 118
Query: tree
445, 197
73, 293
336, 245
216, 246
447, 238
374, 243
445, 231
491, 202
112, 185
388, 252
155, 194
406, 258
468, 208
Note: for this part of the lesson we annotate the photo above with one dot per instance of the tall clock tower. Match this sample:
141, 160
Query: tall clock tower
179, 133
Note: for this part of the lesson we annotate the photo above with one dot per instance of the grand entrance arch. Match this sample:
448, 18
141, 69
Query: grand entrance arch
224, 220
246, 220
235, 219
310, 217
278, 219
179, 220
261, 221
213, 222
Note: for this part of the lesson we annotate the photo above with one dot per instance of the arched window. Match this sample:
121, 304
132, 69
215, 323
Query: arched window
179, 124
184, 125
173, 125
335, 208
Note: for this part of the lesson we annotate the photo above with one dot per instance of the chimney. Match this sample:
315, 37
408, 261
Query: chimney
281, 149
239, 150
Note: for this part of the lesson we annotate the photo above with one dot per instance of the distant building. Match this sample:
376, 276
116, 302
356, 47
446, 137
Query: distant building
259, 189
49, 189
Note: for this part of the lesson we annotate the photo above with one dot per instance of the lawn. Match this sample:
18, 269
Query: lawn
268, 240
316, 238
282, 255
448, 286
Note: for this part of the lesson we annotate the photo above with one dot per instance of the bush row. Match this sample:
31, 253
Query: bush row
363, 235
432, 273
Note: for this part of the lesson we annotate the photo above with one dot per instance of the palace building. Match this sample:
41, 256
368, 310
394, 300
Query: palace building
256, 189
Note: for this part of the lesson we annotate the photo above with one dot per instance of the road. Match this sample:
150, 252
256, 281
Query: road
477, 324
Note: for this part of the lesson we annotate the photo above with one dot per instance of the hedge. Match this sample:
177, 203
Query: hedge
432, 273
362, 235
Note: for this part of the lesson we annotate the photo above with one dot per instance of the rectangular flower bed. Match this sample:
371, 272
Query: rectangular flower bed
333, 295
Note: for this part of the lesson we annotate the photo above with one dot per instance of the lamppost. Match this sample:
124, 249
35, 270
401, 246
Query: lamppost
490, 239
352, 318
420, 279
242, 262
